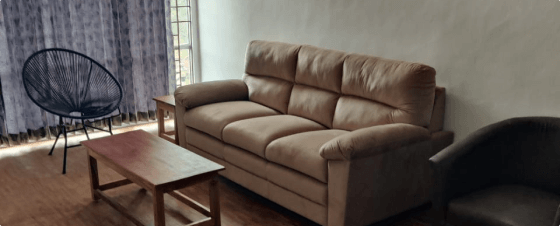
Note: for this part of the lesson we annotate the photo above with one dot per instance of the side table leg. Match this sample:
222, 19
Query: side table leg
93, 176
215, 202
159, 214
176, 129
161, 123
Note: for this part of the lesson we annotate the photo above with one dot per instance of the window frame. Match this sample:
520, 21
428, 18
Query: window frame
191, 45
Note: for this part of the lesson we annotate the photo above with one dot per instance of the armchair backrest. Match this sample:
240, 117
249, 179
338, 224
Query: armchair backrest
532, 157
337, 89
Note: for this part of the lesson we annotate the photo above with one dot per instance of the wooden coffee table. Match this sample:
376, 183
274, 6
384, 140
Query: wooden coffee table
155, 165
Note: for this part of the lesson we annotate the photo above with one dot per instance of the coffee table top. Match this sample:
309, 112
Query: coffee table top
149, 159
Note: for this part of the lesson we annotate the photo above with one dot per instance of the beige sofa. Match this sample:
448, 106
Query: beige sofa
342, 139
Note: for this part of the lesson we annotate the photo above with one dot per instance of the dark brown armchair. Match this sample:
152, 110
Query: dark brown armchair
507, 173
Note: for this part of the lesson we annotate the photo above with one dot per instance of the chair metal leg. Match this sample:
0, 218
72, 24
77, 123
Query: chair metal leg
57, 136
65, 151
85, 128
110, 128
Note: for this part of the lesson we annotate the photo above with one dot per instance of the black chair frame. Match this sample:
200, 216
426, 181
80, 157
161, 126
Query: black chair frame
65, 132
29, 84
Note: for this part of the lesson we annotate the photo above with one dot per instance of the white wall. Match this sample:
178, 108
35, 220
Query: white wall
497, 58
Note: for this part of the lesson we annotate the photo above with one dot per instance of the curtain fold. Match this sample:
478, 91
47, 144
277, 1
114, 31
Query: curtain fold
128, 37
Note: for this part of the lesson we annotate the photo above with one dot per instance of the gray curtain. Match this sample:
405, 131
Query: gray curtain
128, 37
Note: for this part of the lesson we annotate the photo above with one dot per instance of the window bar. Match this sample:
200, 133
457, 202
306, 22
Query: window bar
191, 74
178, 42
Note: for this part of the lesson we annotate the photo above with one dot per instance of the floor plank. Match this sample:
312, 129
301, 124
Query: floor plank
34, 192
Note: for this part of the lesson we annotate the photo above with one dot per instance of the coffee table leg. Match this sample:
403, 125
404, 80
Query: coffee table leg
159, 215
93, 176
215, 202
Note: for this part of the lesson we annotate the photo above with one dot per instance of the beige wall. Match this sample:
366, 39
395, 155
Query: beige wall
497, 58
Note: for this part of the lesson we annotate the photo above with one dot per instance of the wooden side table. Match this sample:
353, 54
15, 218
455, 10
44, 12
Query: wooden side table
166, 103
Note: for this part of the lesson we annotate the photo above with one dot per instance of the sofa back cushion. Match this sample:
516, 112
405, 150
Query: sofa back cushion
270, 72
337, 89
317, 89
436, 123
393, 92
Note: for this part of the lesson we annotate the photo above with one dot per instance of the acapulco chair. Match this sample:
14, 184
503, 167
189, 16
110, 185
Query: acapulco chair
71, 85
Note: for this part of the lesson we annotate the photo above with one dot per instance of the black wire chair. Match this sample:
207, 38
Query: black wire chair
71, 85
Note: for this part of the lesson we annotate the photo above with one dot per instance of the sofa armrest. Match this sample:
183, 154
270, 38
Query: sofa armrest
372, 141
203, 93
388, 177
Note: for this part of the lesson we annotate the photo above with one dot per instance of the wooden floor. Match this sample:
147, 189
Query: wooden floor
34, 192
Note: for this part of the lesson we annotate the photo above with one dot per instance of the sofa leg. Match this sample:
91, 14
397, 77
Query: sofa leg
65, 150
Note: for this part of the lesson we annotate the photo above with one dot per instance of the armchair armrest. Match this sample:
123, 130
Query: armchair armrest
471, 164
203, 93
372, 141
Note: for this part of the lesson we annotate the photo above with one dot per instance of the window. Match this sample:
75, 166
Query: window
182, 41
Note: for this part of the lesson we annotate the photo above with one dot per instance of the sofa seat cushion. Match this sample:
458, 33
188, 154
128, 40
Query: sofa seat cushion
300, 152
506, 205
204, 142
212, 118
248, 161
255, 134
